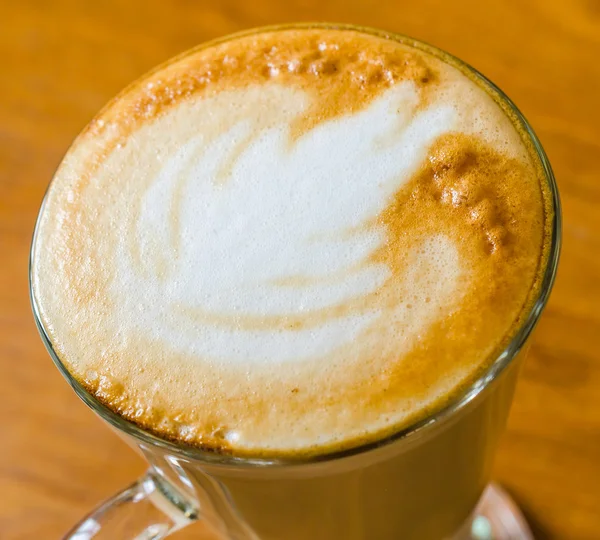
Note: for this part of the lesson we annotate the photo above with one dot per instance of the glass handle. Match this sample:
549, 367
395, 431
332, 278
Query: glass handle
149, 509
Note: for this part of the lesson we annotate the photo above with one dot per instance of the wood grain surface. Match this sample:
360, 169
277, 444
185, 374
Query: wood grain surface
62, 60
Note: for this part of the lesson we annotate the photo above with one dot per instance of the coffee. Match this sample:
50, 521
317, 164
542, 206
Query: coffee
290, 242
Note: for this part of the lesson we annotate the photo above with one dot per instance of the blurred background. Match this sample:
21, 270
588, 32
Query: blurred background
62, 60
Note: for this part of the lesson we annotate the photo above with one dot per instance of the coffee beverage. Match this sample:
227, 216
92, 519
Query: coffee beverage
291, 242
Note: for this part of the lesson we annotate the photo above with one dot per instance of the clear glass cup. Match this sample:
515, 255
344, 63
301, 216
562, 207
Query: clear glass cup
424, 482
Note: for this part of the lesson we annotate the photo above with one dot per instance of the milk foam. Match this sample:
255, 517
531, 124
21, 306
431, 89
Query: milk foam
230, 280
279, 237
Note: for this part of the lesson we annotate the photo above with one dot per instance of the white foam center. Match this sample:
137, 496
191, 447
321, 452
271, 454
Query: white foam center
232, 245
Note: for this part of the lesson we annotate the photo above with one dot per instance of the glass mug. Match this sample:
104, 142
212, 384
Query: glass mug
423, 482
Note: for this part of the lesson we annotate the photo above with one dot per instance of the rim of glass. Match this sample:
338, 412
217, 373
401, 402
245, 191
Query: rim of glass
426, 424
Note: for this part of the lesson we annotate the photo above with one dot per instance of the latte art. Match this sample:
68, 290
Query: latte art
289, 242
251, 255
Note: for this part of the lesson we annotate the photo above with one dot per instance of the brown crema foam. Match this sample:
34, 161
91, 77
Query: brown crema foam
341, 76
482, 190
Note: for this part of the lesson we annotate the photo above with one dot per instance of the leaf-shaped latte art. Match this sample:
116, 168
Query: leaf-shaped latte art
274, 260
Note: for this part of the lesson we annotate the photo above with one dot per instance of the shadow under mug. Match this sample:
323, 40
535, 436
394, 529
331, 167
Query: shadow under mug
423, 483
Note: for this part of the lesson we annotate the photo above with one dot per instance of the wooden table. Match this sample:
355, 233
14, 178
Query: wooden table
60, 64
